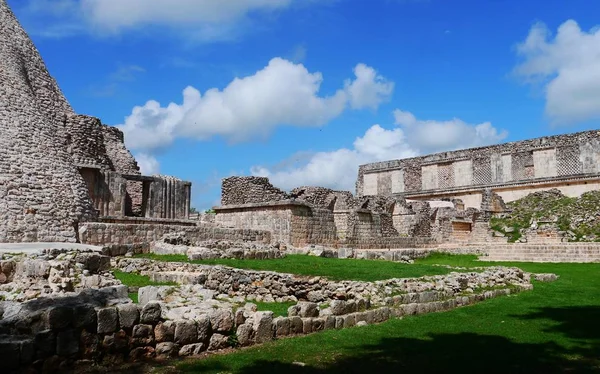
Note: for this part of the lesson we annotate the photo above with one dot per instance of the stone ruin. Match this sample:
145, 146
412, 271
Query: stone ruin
321, 216
59, 169
74, 208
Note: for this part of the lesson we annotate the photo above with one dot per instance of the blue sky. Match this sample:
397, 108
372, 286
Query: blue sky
303, 91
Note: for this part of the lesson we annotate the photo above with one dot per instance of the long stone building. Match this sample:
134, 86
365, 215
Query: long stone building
570, 163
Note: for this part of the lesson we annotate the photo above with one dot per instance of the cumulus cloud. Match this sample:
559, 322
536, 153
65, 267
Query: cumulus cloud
282, 93
148, 164
338, 169
568, 66
202, 19
433, 136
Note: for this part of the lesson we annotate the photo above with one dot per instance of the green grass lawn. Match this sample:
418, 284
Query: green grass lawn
553, 329
335, 269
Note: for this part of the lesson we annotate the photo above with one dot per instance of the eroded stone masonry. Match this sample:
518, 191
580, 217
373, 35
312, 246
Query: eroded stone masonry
76, 214
570, 163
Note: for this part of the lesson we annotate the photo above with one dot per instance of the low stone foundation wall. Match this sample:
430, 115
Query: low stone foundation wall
549, 252
209, 311
127, 234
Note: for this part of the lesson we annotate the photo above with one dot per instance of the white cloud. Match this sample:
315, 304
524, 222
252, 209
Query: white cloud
338, 169
206, 20
568, 66
148, 164
282, 93
433, 136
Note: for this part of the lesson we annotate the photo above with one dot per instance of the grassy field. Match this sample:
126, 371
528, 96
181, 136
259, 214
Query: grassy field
553, 329
335, 269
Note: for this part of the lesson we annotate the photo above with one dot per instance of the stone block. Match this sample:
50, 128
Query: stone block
338, 307
67, 343
281, 326
349, 320
186, 332
308, 309
329, 323
10, 355
129, 315
166, 350
108, 320
60, 317
263, 327
218, 341
204, 329
85, 317
116, 343
307, 325
164, 332
221, 320
142, 353
151, 313
245, 334
296, 325
318, 324
142, 335
192, 349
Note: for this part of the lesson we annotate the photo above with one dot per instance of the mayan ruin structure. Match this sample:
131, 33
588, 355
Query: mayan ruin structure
60, 169
570, 163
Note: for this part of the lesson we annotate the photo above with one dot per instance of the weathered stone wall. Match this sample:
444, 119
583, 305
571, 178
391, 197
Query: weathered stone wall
95, 233
558, 159
123, 162
169, 197
249, 190
42, 195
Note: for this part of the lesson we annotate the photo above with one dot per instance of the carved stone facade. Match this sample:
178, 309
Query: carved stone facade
569, 162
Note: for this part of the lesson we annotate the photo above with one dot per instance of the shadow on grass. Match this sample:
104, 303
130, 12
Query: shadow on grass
461, 353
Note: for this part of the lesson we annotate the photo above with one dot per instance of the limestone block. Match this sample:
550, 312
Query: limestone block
166, 350
164, 331
221, 320
192, 349
151, 313
245, 334
281, 326
203, 328
263, 327
108, 320
308, 309
129, 315
60, 317
142, 335
218, 341
186, 332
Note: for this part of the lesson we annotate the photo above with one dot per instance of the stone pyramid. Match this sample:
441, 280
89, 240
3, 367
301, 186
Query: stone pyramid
43, 196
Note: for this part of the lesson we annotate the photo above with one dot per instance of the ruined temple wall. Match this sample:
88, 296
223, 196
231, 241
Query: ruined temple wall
276, 220
123, 162
553, 158
249, 190
42, 194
